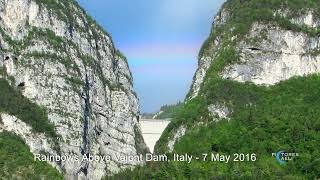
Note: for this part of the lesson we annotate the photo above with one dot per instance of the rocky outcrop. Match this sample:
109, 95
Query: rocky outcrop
218, 111
181, 131
205, 60
280, 55
68, 64
309, 19
203, 66
38, 142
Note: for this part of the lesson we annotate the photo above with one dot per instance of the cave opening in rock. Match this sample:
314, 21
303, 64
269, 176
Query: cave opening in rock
22, 84
6, 58
70, 29
107, 143
254, 49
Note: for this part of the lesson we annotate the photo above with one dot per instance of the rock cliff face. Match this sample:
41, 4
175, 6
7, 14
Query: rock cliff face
275, 48
280, 55
205, 61
63, 61
276, 54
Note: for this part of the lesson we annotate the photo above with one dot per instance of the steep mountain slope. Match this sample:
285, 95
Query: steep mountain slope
65, 89
259, 42
256, 91
17, 161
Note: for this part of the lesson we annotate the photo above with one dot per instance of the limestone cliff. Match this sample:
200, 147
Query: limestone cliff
205, 60
268, 53
60, 59
274, 43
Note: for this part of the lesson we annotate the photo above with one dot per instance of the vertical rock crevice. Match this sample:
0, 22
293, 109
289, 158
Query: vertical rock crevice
85, 149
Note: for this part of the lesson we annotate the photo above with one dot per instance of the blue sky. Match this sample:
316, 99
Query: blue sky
161, 39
